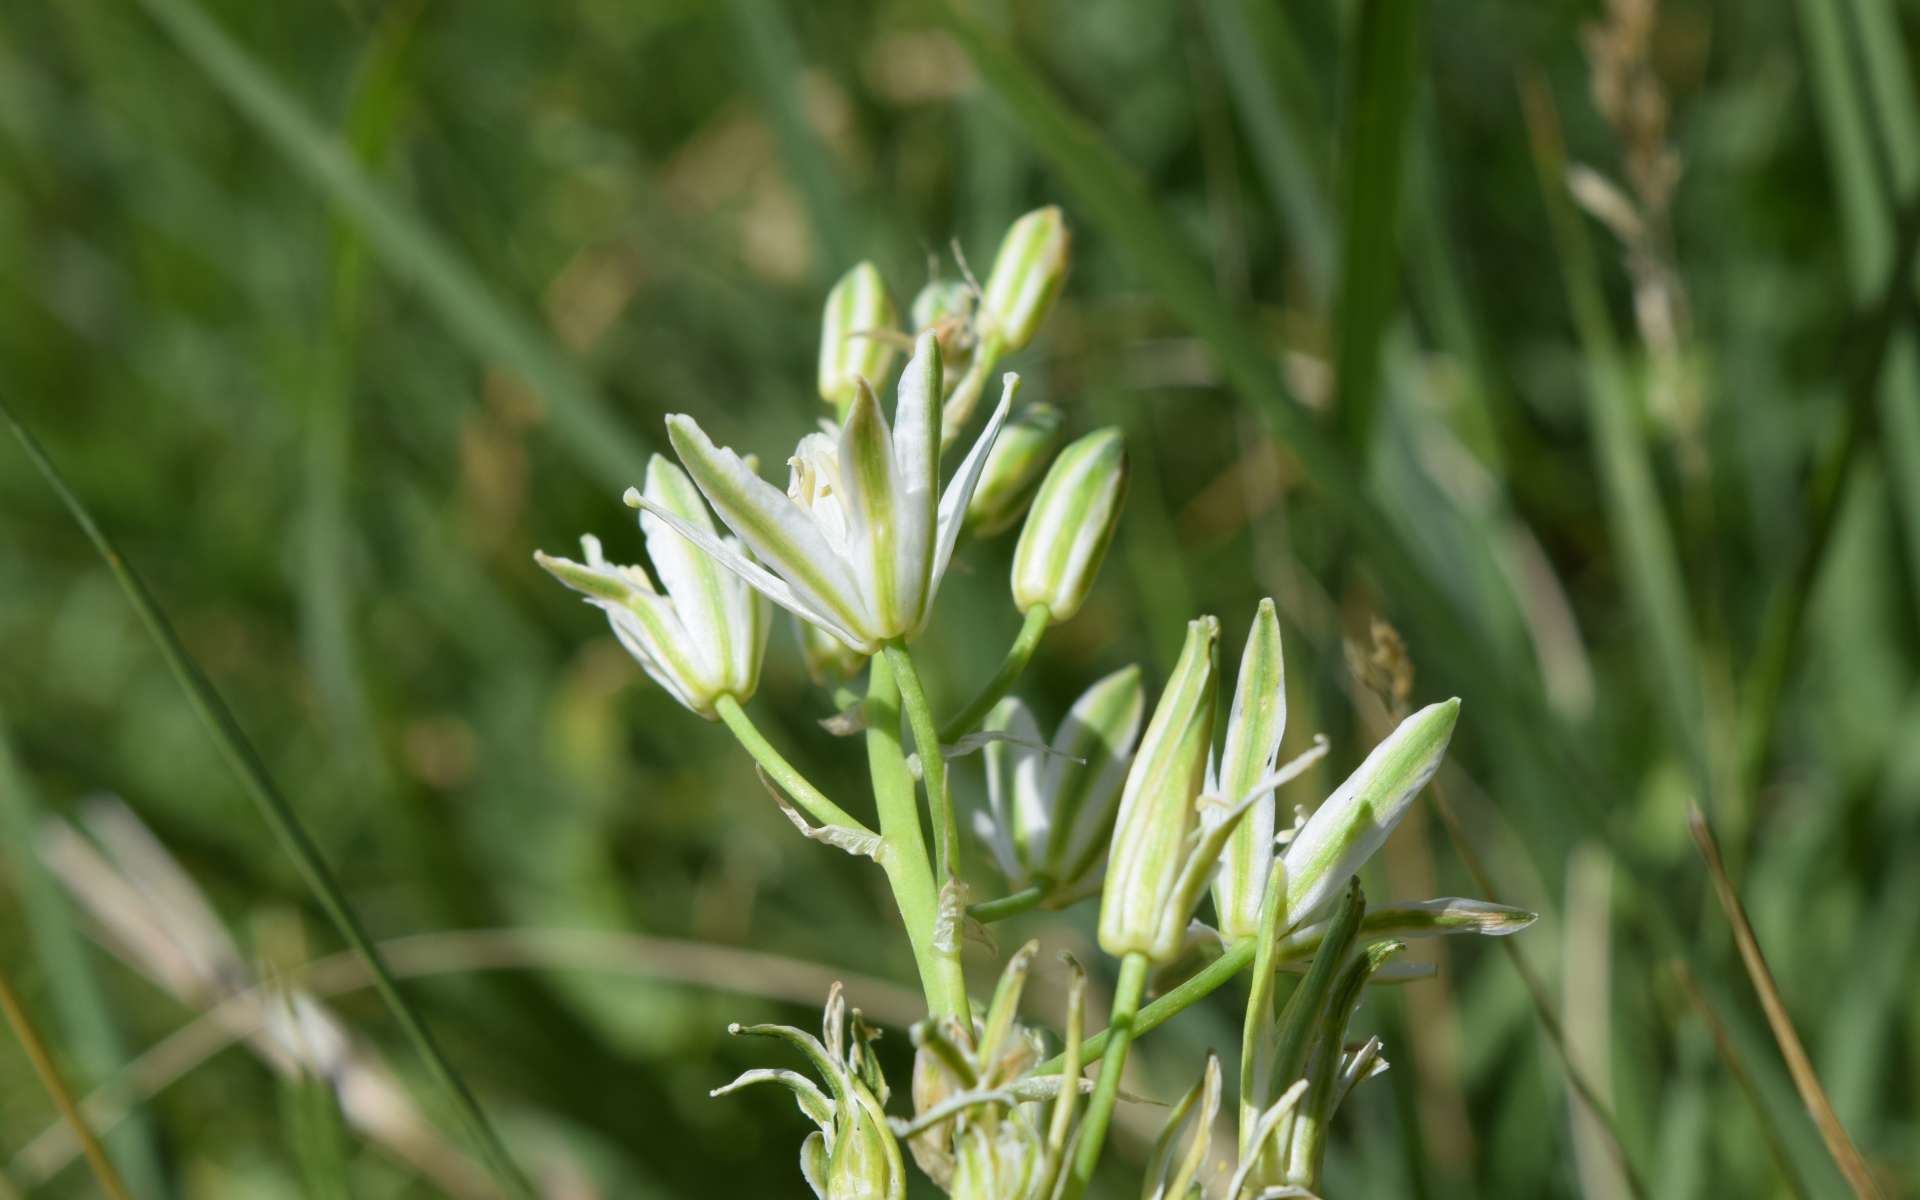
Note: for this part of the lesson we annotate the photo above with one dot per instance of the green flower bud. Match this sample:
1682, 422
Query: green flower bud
1019, 456
1176, 1165
1255, 726
858, 338
1051, 806
945, 307
1142, 906
829, 660
1355, 821
1070, 525
1027, 274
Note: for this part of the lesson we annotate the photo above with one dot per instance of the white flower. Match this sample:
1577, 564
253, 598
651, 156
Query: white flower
860, 541
701, 637
1051, 807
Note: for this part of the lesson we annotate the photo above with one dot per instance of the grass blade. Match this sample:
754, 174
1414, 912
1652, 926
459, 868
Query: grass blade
1635, 518
409, 248
43, 1066
280, 817
83, 1013
1839, 1144
1596, 1105
1737, 1067
1257, 54
772, 65
1379, 111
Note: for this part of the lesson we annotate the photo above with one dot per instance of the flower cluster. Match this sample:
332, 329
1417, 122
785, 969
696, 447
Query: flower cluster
1151, 807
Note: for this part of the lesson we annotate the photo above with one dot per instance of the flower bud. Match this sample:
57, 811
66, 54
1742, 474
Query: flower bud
1176, 1166
1142, 908
1070, 525
1052, 806
945, 306
857, 335
1355, 821
1021, 452
1255, 724
829, 660
1027, 273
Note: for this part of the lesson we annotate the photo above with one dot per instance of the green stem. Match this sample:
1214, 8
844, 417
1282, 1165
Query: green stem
782, 772
958, 409
933, 762
255, 780
1093, 1126
904, 851
1018, 656
1197, 987
1025, 900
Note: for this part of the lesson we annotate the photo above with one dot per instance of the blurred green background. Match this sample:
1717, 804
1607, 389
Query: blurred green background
333, 312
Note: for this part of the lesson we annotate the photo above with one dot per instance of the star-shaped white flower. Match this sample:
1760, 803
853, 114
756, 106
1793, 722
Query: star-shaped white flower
702, 633
860, 540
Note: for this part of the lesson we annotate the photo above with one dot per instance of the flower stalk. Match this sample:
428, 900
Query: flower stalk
933, 762
782, 772
903, 852
1033, 626
1093, 1127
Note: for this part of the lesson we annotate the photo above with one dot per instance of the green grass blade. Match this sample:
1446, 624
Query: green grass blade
1258, 55
1379, 110
1635, 517
91, 1033
409, 248
255, 780
316, 1131
771, 61
1884, 380
374, 105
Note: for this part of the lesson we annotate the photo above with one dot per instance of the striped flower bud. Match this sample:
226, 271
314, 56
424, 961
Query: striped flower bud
703, 632
1355, 821
1255, 726
1020, 454
1070, 525
1051, 806
945, 307
1027, 273
1145, 904
857, 336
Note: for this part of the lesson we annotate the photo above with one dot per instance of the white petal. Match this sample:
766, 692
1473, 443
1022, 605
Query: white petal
780, 533
953, 502
765, 582
697, 584
916, 454
1014, 782
873, 553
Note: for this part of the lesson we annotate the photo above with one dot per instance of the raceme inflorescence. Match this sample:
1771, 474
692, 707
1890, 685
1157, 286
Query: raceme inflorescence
1155, 808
